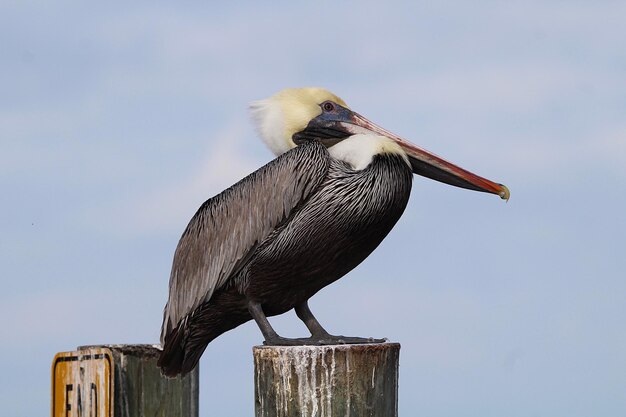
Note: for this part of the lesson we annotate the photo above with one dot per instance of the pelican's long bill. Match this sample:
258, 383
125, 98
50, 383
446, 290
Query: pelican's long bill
336, 121
428, 164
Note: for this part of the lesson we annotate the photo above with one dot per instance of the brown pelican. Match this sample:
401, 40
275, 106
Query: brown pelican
270, 242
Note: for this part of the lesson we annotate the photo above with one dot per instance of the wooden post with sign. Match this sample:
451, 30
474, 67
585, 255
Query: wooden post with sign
338, 380
119, 381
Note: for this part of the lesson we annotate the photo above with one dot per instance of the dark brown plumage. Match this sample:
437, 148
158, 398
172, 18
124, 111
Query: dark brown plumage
336, 217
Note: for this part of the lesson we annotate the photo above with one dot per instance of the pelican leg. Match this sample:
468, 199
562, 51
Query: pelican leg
271, 337
304, 313
319, 336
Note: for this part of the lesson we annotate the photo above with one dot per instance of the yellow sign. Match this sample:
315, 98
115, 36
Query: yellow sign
82, 384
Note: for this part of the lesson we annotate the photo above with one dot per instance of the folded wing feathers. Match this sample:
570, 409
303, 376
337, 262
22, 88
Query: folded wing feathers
227, 227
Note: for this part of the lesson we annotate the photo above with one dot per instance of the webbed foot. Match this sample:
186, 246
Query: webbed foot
321, 340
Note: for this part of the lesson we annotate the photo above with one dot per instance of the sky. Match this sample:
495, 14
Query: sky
118, 120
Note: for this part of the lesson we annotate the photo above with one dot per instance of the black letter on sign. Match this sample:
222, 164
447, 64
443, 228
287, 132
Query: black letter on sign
68, 405
93, 399
79, 402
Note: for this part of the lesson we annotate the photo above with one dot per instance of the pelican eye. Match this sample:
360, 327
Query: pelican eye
328, 106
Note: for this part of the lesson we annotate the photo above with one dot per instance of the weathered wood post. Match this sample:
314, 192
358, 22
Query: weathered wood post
320, 381
119, 381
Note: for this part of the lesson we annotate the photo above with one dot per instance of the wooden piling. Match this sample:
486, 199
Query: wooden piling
119, 381
325, 381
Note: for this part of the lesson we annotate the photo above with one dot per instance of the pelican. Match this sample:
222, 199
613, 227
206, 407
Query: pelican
268, 243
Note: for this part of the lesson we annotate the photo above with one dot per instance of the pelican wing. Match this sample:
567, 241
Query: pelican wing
226, 229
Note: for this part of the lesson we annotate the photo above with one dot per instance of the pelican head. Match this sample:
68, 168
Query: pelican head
288, 112
296, 115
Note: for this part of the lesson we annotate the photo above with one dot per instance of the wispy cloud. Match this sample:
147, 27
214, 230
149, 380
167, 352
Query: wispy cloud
166, 207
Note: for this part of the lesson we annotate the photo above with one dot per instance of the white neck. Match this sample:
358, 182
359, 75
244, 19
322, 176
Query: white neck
359, 150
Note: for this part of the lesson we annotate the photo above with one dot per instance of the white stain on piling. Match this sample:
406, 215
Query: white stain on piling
304, 379
300, 365
322, 381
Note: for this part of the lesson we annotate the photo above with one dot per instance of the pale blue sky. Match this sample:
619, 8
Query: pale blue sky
117, 121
